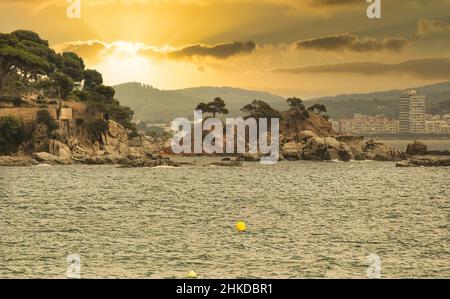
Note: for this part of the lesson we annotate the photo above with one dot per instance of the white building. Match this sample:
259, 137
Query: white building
412, 108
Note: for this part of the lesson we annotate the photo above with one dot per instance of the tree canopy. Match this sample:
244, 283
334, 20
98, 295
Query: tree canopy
217, 106
260, 109
319, 108
26, 60
296, 103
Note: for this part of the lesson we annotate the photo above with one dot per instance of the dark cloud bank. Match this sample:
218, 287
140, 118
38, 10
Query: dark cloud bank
352, 42
221, 51
437, 68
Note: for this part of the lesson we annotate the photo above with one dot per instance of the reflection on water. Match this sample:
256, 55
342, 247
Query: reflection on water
304, 219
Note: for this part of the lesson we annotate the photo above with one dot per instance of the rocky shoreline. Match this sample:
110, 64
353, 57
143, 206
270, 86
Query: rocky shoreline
309, 146
125, 161
115, 148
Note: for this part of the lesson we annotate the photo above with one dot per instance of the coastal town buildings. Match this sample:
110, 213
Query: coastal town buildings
412, 120
365, 124
435, 124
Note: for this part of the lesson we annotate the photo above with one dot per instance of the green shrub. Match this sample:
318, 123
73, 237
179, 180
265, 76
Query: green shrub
12, 134
133, 134
79, 122
95, 127
43, 116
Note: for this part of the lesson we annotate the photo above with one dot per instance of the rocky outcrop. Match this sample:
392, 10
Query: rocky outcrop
343, 148
328, 148
380, 152
416, 148
115, 139
59, 149
291, 126
425, 162
143, 144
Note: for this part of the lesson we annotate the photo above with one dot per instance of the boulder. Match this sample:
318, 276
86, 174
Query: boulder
356, 145
331, 154
59, 149
249, 157
292, 150
45, 157
115, 159
94, 160
316, 145
306, 134
346, 152
381, 152
115, 139
332, 142
416, 148
328, 148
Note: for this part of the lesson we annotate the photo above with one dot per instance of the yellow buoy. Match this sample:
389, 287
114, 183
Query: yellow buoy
192, 274
240, 226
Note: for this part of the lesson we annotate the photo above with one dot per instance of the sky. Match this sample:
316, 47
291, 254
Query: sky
303, 48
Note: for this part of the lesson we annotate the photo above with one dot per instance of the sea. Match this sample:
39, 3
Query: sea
303, 219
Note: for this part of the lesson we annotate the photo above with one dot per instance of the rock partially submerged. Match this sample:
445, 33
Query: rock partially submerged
48, 158
249, 157
418, 148
17, 161
231, 163
146, 162
425, 162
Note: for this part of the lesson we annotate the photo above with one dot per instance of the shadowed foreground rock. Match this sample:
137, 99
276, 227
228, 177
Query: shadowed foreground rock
418, 148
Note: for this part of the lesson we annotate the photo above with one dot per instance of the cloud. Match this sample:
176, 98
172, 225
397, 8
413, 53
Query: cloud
437, 68
428, 27
93, 51
90, 51
353, 43
220, 51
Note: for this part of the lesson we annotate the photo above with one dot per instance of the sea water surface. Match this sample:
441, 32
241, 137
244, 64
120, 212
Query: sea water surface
304, 219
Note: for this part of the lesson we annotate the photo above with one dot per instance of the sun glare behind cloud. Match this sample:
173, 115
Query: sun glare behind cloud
123, 63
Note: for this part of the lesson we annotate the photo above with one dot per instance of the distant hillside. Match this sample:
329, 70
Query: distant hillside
384, 102
158, 106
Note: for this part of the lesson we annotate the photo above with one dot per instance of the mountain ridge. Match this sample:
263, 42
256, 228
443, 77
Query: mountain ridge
160, 106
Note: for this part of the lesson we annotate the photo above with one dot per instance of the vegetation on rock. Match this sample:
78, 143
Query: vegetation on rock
28, 63
12, 134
